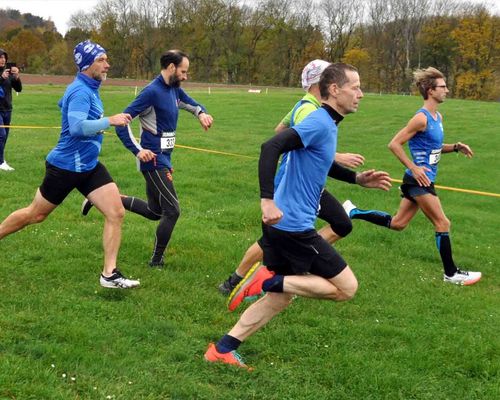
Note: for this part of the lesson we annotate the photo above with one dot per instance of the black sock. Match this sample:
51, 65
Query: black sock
443, 244
274, 284
374, 216
234, 279
227, 344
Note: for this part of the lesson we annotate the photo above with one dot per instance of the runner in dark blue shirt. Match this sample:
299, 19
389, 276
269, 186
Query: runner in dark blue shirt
157, 107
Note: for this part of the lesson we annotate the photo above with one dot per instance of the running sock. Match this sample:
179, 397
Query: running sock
443, 244
274, 284
227, 344
234, 279
374, 216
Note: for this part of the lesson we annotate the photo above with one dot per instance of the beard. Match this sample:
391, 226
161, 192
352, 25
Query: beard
174, 81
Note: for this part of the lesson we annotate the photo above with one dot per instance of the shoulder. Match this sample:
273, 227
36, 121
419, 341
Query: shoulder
419, 121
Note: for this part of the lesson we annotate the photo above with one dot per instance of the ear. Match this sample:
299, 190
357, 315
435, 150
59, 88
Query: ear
333, 89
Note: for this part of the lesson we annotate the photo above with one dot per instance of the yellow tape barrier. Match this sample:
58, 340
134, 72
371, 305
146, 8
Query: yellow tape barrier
469, 191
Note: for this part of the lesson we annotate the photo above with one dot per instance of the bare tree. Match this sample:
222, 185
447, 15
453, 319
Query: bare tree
340, 18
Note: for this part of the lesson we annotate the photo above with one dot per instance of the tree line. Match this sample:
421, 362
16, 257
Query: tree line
267, 42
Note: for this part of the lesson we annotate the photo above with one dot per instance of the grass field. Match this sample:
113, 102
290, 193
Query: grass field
406, 335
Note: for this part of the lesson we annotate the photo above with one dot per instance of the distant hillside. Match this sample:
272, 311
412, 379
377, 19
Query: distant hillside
12, 19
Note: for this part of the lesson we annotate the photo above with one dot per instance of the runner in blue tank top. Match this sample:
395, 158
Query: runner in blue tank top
73, 163
424, 134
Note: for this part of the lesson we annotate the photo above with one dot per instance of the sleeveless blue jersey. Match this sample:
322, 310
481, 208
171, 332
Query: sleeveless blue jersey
79, 146
299, 189
425, 147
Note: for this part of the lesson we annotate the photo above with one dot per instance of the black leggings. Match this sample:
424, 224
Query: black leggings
162, 205
332, 212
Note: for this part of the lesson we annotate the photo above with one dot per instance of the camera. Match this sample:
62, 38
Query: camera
9, 65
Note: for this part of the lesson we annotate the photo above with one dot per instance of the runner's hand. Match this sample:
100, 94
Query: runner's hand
146, 155
206, 120
349, 160
374, 179
465, 149
420, 176
121, 119
270, 213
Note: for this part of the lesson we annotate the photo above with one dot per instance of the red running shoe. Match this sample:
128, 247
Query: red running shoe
232, 358
250, 286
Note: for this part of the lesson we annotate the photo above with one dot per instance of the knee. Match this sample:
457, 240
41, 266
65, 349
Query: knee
172, 213
36, 218
116, 214
347, 291
442, 225
398, 225
343, 228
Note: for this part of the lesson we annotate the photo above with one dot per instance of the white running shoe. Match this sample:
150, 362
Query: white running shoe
6, 167
348, 207
465, 278
86, 206
117, 281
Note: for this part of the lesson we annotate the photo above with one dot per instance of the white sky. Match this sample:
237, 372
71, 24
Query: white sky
59, 11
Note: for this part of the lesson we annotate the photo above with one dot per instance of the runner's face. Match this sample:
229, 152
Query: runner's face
350, 94
99, 68
180, 73
439, 91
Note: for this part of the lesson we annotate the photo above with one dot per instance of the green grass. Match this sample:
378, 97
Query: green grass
406, 335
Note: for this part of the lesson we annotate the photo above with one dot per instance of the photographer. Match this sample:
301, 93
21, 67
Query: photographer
9, 79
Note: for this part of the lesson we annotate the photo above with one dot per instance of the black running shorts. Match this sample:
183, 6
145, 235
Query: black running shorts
298, 253
58, 183
411, 189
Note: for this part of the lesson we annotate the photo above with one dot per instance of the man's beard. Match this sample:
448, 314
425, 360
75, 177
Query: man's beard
174, 81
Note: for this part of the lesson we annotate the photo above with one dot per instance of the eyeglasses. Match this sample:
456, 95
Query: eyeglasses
441, 86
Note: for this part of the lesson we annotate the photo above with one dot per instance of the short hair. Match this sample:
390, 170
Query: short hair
172, 57
334, 73
425, 79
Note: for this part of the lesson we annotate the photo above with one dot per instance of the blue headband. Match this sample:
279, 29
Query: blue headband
85, 54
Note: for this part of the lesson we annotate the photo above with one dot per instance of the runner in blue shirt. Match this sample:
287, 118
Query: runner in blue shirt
73, 163
424, 134
330, 209
299, 261
157, 107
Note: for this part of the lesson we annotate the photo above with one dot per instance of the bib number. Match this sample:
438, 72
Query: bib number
434, 157
167, 141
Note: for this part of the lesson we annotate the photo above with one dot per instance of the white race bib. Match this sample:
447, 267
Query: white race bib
167, 140
435, 156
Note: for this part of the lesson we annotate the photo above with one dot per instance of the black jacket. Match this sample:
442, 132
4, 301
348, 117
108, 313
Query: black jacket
6, 86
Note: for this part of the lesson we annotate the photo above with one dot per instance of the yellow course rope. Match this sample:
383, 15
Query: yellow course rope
469, 191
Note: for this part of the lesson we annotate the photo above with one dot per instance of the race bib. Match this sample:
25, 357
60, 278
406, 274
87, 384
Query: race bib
167, 140
434, 157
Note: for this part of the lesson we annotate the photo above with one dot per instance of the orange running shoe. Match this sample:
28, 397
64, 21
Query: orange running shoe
250, 286
232, 358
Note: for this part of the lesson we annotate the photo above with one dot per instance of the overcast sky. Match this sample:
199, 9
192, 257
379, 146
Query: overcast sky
59, 11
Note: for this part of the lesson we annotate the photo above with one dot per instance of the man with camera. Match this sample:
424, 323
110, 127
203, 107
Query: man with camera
9, 79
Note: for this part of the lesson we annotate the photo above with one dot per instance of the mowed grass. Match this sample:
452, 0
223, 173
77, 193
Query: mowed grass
406, 334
